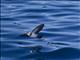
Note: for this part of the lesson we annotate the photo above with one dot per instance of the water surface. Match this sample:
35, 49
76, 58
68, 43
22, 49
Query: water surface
61, 34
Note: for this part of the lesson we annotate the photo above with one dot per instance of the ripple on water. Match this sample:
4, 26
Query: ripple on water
61, 37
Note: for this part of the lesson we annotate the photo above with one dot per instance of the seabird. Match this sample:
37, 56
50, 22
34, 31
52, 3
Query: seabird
35, 32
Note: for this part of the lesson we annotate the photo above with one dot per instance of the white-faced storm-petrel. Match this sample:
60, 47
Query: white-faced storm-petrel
35, 32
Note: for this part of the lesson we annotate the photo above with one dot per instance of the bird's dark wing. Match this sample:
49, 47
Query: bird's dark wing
38, 29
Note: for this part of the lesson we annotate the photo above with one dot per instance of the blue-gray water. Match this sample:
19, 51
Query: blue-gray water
62, 30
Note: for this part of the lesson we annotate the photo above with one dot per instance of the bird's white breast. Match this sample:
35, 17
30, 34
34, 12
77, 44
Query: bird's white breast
34, 35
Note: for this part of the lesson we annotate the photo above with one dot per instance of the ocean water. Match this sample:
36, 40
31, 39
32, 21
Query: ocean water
61, 33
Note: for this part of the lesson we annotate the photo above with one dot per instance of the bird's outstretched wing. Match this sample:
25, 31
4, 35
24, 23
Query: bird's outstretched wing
37, 29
